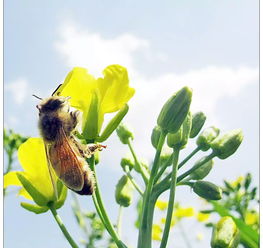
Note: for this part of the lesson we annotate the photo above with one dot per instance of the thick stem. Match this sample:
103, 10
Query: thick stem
144, 240
138, 164
62, 227
102, 211
171, 201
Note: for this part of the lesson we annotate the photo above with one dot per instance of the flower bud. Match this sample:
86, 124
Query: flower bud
127, 162
180, 138
113, 124
124, 133
156, 133
247, 181
124, 192
198, 121
175, 111
225, 234
207, 190
225, 145
206, 137
203, 170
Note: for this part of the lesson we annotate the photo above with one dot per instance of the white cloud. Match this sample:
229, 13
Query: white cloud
19, 90
91, 50
210, 84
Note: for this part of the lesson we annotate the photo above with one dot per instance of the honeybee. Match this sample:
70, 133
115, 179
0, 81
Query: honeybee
65, 154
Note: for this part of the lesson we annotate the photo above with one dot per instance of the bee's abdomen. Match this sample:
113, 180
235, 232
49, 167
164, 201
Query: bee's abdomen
49, 127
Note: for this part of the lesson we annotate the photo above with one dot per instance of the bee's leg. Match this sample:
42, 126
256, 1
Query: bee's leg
91, 149
75, 116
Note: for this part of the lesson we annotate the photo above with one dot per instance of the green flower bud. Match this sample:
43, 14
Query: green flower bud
124, 133
247, 180
127, 162
113, 124
207, 190
198, 121
91, 116
205, 139
203, 170
124, 192
180, 138
225, 145
225, 234
175, 111
156, 133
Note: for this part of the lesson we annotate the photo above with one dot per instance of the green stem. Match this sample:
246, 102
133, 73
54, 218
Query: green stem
136, 186
62, 227
180, 178
137, 163
161, 171
102, 211
144, 239
187, 173
197, 149
171, 201
119, 220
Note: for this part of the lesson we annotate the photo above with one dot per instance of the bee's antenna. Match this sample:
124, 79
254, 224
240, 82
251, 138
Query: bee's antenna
37, 97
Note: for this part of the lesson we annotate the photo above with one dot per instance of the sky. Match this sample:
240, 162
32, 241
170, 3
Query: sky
210, 46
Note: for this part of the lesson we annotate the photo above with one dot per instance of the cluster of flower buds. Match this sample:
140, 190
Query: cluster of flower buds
124, 192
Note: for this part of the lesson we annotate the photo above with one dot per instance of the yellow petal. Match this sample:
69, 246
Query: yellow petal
203, 217
32, 157
114, 88
162, 205
11, 179
79, 85
184, 212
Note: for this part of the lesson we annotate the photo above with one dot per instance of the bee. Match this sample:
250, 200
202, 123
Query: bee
65, 154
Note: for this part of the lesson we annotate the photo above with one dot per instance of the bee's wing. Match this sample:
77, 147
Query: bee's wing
67, 165
51, 172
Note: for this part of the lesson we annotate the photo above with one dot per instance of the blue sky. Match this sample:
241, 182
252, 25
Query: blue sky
212, 46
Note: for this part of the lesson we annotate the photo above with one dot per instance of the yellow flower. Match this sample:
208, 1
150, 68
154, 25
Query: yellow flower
156, 232
162, 205
96, 97
202, 217
184, 212
252, 218
173, 221
35, 179
237, 181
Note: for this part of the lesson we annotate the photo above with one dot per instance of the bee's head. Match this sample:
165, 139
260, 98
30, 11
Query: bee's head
53, 104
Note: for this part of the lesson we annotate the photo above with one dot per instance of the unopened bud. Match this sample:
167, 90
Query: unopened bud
124, 133
124, 192
203, 170
156, 133
198, 122
205, 139
225, 234
127, 162
207, 190
225, 145
175, 111
180, 138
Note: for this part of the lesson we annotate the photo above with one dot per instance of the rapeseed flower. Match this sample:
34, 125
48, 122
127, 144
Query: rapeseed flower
96, 97
35, 181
